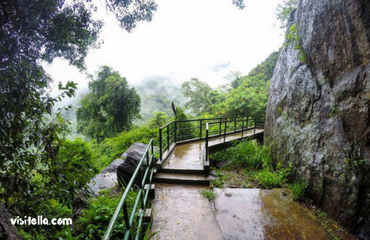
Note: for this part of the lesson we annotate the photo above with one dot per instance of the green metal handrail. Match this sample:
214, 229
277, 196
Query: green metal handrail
141, 198
169, 133
242, 129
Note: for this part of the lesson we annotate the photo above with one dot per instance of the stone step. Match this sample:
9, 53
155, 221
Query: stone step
181, 178
182, 171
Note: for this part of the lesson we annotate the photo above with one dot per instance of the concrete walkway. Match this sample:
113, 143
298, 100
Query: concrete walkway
180, 212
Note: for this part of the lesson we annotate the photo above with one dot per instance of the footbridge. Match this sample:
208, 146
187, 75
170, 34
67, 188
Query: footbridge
180, 156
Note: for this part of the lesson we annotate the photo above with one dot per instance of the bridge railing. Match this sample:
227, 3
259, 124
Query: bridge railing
187, 130
231, 127
142, 177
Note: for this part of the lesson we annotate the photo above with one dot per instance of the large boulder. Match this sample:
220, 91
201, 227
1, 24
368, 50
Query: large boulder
132, 158
318, 114
107, 179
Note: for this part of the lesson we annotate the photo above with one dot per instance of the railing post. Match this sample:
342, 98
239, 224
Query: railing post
200, 127
152, 149
255, 120
175, 131
225, 131
160, 144
125, 216
168, 136
206, 142
235, 124
242, 127
220, 126
247, 123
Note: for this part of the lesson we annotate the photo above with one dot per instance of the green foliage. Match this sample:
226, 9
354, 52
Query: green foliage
293, 38
266, 67
160, 119
210, 194
333, 111
32, 32
249, 94
218, 183
284, 10
357, 163
198, 94
111, 148
249, 98
109, 108
256, 161
184, 129
96, 217
247, 154
74, 170
268, 179
298, 190
49, 209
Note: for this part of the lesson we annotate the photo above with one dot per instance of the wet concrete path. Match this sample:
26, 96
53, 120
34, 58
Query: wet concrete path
180, 212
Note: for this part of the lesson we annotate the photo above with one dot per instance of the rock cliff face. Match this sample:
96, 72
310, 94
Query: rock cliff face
318, 115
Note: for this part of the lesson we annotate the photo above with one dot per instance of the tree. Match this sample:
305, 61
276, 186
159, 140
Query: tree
249, 98
198, 94
33, 31
158, 120
109, 108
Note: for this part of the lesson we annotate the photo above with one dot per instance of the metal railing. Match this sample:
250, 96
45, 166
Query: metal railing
249, 123
182, 130
144, 177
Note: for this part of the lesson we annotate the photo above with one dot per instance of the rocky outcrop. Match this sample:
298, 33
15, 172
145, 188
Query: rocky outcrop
7, 230
107, 179
318, 114
132, 158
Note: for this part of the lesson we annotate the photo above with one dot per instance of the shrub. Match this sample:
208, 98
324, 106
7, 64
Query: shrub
298, 190
95, 219
49, 209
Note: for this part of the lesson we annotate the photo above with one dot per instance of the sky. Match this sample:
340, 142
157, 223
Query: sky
204, 39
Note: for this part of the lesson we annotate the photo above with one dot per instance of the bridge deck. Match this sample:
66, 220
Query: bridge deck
188, 155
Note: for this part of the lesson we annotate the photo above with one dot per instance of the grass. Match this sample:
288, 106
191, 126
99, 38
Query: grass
210, 194
249, 165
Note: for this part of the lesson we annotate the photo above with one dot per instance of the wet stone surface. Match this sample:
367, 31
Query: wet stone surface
181, 212
264, 214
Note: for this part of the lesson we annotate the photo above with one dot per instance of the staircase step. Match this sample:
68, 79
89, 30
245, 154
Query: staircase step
181, 178
182, 171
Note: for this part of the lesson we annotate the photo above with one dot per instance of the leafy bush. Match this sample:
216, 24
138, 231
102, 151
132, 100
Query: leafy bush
50, 209
298, 190
95, 219
268, 179
111, 148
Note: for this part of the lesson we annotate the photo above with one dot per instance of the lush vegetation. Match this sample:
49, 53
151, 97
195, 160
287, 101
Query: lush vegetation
256, 162
32, 135
43, 173
244, 96
109, 108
